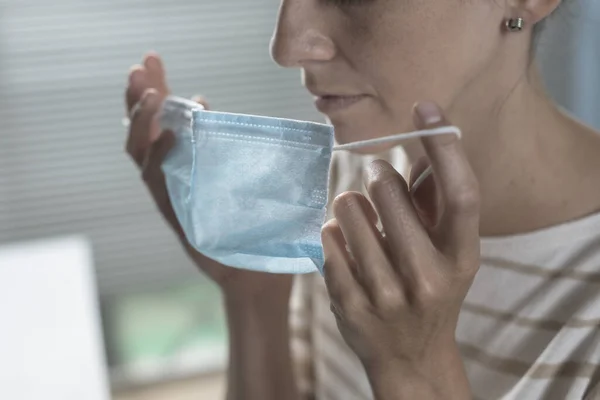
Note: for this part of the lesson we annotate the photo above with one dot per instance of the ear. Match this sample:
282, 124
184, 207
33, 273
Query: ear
532, 11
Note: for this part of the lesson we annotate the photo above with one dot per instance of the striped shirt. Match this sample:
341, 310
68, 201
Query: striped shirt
528, 327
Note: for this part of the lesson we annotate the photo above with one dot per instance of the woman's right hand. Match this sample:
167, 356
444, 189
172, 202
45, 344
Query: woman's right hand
147, 146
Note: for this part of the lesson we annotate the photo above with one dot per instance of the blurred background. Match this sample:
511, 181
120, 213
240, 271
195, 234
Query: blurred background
101, 292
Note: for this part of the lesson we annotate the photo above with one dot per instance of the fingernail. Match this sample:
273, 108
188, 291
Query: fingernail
428, 112
137, 77
151, 61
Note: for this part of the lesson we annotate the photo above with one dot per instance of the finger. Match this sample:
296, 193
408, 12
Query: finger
401, 224
145, 127
426, 202
404, 231
157, 151
459, 191
136, 87
344, 291
154, 178
374, 270
202, 101
156, 73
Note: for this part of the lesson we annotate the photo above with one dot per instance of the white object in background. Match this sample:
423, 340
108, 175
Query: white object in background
51, 345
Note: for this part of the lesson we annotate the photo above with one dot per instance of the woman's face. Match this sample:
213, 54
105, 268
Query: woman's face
368, 61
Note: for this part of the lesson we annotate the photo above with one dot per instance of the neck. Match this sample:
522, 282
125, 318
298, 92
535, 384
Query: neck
529, 156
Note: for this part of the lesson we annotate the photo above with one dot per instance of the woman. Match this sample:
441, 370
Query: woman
481, 281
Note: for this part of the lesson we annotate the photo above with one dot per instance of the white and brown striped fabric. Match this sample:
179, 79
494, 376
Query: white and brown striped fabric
529, 328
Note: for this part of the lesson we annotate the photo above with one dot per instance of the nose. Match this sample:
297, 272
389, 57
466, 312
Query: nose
300, 35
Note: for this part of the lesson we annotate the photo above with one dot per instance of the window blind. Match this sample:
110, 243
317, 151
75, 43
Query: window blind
63, 69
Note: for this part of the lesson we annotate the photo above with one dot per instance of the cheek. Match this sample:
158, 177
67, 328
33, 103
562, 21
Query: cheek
423, 52
415, 65
382, 61
413, 51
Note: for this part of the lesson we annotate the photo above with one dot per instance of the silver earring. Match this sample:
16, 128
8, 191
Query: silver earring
515, 24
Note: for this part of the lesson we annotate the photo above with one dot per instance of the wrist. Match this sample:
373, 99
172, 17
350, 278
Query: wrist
260, 365
438, 375
267, 299
264, 313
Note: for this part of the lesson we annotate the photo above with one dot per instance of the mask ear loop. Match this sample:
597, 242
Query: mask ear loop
424, 175
444, 130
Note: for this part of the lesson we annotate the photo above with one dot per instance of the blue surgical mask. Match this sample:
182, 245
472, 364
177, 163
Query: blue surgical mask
250, 191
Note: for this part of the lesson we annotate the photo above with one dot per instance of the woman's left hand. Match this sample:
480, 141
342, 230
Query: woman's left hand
396, 295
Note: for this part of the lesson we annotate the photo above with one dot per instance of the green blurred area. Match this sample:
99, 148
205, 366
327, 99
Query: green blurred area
164, 323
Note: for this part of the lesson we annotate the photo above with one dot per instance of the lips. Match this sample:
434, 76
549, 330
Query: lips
332, 103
